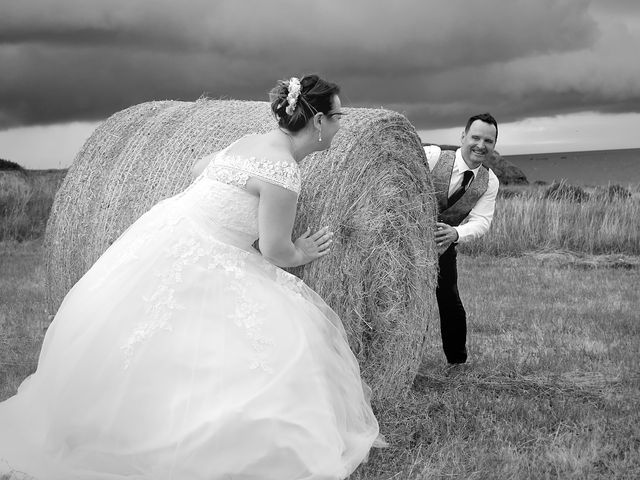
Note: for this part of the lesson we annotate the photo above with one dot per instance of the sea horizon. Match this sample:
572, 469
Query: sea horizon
568, 151
582, 167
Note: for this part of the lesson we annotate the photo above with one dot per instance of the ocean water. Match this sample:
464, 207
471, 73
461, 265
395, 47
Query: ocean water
596, 167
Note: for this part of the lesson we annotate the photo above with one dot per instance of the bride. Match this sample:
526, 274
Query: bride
186, 354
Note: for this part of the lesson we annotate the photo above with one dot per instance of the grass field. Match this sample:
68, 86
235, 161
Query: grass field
554, 385
554, 335
25, 202
527, 220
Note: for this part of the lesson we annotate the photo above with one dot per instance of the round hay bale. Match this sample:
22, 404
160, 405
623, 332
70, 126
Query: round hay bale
372, 187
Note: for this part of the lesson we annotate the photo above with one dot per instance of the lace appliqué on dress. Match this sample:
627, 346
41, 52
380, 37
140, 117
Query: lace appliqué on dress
247, 316
161, 304
236, 170
227, 175
290, 282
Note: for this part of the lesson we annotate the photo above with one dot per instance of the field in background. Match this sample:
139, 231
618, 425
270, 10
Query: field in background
526, 219
552, 393
564, 217
25, 202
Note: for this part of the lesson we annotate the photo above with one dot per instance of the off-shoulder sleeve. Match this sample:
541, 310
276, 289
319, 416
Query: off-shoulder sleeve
278, 172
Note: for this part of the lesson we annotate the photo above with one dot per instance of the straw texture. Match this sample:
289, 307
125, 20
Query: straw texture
372, 188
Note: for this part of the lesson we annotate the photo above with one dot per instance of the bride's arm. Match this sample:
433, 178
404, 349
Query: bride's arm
276, 215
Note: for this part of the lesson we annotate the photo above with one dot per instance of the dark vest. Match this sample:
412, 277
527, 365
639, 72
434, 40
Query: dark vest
441, 177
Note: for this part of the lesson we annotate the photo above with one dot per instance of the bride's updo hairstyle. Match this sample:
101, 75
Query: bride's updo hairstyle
295, 101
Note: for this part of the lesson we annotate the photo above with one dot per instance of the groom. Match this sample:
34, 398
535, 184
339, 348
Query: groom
466, 195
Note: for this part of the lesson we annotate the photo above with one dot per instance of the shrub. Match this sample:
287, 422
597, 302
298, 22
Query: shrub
513, 191
612, 192
562, 191
9, 165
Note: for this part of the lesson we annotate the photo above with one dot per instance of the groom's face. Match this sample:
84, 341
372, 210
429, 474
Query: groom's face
478, 143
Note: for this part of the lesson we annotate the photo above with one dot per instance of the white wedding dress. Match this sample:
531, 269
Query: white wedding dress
183, 354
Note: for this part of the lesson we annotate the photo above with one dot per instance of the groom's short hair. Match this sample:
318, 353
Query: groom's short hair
483, 117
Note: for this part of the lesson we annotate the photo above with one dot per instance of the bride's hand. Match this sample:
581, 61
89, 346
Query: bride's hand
314, 246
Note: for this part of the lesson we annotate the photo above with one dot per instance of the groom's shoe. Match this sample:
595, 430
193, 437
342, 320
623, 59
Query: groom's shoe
454, 370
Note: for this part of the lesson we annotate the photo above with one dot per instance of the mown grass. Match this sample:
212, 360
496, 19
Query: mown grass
552, 391
554, 384
23, 320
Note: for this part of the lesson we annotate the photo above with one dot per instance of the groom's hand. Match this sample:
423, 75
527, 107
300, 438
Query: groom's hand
445, 236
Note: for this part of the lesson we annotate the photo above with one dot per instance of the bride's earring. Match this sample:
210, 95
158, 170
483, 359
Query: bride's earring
320, 134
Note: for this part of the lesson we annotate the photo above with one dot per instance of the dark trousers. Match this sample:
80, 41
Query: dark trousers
453, 318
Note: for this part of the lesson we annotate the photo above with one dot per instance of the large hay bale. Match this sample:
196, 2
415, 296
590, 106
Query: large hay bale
372, 187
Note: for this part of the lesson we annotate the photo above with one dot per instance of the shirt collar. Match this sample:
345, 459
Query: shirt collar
461, 166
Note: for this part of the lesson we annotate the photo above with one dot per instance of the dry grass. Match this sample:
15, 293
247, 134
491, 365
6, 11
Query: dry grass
524, 220
552, 392
25, 202
22, 316
554, 384
527, 221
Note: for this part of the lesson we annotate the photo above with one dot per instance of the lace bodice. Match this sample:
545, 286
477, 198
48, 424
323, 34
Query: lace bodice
235, 170
219, 193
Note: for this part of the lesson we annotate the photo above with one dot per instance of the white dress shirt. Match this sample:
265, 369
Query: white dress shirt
479, 219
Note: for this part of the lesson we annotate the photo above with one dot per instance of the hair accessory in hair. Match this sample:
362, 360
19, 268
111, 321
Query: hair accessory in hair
292, 97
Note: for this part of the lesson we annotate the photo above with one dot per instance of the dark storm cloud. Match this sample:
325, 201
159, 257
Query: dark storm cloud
434, 60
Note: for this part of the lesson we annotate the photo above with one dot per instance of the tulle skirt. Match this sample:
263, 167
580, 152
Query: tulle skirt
181, 356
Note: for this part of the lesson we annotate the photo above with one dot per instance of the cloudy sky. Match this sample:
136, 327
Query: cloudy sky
559, 75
